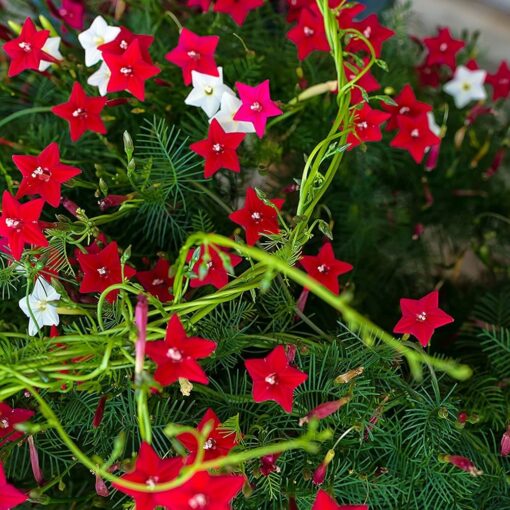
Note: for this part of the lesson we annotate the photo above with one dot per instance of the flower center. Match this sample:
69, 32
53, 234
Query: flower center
198, 501
80, 112
210, 444
152, 481
308, 31
194, 55
271, 379
323, 268
208, 90
41, 305
256, 107
362, 125
466, 86
41, 173
415, 133
4, 423
367, 32
26, 47
103, 272
14, 223
443, 47
126, 71
98, 40
174, 354
157, 281
404, 110
217, 148
256, 216
123, 44
421, 317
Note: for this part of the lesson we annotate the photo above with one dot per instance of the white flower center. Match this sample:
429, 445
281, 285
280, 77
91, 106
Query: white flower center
123, 44
256, 216
323, 268
103, 272
126, 71
152, 481
4, 423
466, 86
443, 47
13, 223
41, 305
367, 32
26, 47
98, 40
43, 174
415, 133
174, 354
271, 379
404, 110
194, 55
210, 444
308, 31
362, 125
217, 148
157, 281
198, 501
208, 90
256, 107
421, 317
80, 112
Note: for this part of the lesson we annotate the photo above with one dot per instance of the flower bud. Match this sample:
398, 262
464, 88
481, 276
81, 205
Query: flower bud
462, 463
319, 474
324, 410
505, 443
268, 464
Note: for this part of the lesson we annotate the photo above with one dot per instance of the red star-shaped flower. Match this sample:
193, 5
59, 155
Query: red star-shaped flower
176, 355
8, 418
325, 502
237, 9
102, 269
442, 49
500, 81
26, 50
122, 42
407, 105
420, 317
309, 35
10, 497
129, 70
213, 271
256, 217
296, 8
207, 492
257, 105
367, 126
194, 53
19, 223
44, 174
373, 31
366, 82
415, 136
429, 76
274, 379
325, 268
347, 13
151, 470
82, 112
218, 443
157, 281
73, 13
219, 149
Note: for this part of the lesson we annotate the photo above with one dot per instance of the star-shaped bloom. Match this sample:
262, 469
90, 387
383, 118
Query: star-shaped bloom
274, 378
324, 501
309, 34
100, 79
257, 105
73, 13
237, 10
325, 268
229, 106
10, 497
373, 31
466, 86
347, 13
123, 40
443, 49
102, 269
39, 306
151, 470
157, 281
9, 417
219, 149
194, 53
407, 105
217, 444
367, 126
256, 217
500, 81
176, 355
205, 491
44, 174
429, 76
212, 267
415, 136
420, 317
26, 50
96, 35
295, 7
19, 223
83, 113
51, 48
366, 82
207, 91
129, 71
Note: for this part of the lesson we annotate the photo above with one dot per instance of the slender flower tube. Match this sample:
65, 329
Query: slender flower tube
141, 312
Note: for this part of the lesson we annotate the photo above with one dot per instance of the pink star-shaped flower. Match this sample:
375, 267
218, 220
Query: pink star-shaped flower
274, 378
10, 497
237, 9
194, 53
257, 105
367, 126
9, 417
83, 113
420, 317
500, 81
443, 49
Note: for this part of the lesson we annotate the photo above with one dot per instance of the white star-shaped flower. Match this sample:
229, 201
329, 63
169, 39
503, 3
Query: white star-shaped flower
97, 34
38, 306
466, 86
230, 104
100, 78
51, 47
207, 91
